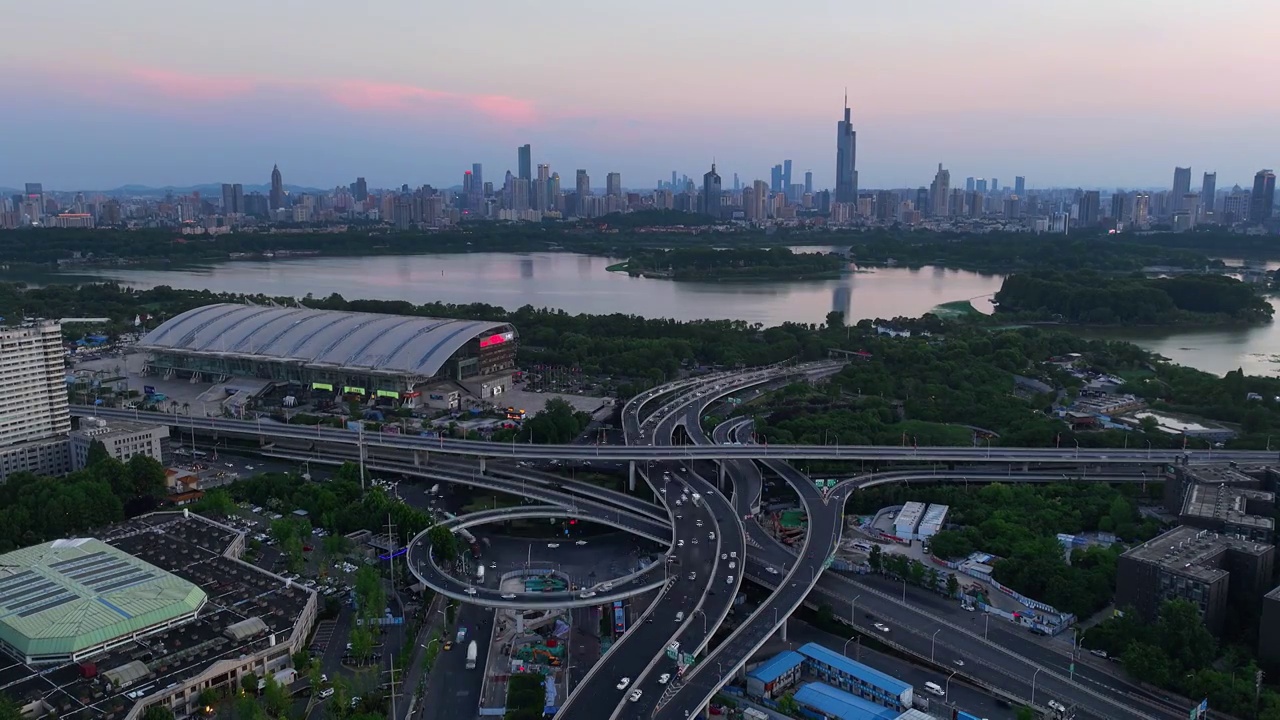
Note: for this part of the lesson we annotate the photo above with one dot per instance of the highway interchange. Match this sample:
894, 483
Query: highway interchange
926, 625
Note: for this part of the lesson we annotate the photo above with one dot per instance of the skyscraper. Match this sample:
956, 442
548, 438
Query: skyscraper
940, 192
1087, 216
808, 182
277, 189
711, 192
361, 190
786, 174
1262, 201
980, 185
542, 188
232, 199
1209, 193
969, 184
775, 179
1181, 185
525, 153
583, 185
1020, 186
33, 403
846, 158
613, 184
477, 177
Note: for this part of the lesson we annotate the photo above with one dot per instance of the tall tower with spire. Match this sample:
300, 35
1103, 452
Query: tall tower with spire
276, 197
846, 158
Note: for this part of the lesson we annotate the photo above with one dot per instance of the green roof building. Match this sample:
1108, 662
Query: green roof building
69, 599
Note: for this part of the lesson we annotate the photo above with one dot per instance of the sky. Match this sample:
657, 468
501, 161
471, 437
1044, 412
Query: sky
1091, 93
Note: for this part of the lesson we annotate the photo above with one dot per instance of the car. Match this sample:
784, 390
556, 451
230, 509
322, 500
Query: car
711, 536
355, 701
623, 683
493, 566
728, 580
881, 627
607, 586
649, 619
695, 541
472, 591
553, 546
664, 678
680, 543
326, 693
581, 542
679, 503
693, 576
348, 646
699, 523
732, 565
508, 596
587, 595
772, 570
635, 695
733, 554
724, 556
1099, 653
958, 662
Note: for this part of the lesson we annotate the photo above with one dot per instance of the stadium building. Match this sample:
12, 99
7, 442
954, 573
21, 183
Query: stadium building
345, 353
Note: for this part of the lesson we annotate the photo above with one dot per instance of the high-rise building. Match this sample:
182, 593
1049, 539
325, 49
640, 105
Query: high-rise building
1088, 213
940, 192
922, 199
1263, 199
846, 158
711, 192
1119, 207
525, 153
276, 197
1181, 186
613, 184
980, 186
33, 400
1141, 208
233, 198
808, 182
970, 184
1209, 193
477, 177
542, 188
775, 179
786, 174
1020, 186
995, 185
759, 200
361, 190
583, 185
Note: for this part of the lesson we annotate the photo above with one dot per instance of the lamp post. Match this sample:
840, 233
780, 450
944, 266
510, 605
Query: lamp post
946, 693
1033, 686
933, 644
853, 609
904, 590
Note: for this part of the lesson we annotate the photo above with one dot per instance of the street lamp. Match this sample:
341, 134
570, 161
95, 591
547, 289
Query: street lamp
1033, 686
904, 590
853, 609
699, 611
946, 693
933, 643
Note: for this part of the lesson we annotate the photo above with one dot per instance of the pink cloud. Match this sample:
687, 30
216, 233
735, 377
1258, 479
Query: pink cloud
389, 97
149, 86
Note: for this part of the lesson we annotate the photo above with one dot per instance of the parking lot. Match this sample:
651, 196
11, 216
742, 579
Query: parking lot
323, 635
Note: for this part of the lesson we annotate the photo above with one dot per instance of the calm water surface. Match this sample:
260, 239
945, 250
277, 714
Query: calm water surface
580, 284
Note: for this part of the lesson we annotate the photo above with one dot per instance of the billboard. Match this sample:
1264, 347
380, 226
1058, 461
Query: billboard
496, 339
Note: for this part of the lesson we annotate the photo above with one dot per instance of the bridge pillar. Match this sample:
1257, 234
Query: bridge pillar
420, 458
631, 475
481, 466
720, 484
1026, 467
519, 623
783, 629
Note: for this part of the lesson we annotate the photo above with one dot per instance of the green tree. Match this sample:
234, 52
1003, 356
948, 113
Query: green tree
875, 559
148, 477
444, 544
154, 712
1025, 713
276, 698
208, 697
787, 704
249, 683
361, 643
97, 453
953, 585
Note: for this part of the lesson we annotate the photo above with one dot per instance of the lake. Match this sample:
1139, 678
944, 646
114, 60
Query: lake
580, 284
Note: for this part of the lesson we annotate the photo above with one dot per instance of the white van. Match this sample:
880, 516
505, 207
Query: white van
934, 688
680, 616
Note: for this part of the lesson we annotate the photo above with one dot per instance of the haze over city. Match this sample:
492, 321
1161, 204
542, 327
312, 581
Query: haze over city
1089, 93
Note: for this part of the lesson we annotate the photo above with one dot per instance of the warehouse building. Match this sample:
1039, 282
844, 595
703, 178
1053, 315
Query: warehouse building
931, 522
1207, 569
904, 526
339, 353
772, 678
828, 702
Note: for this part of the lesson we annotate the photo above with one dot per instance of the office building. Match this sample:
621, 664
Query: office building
995, 185
233, 198
1235, 208
1141, 208
1020, 186
955, 206
808, 182
786, 174
1208, 195
276, 196
1119, 211
613, 184
846, 159
1263, 199
34, 418
1207, 569
1181, 186
970, 184
940, 192
711, 192
525, 157
542, 188
775, 179
1089, 209
980, 186
583, 184
360, 191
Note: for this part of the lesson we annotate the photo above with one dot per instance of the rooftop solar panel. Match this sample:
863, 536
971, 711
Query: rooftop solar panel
15, 580
18, 596
63, 600
37, 599
116, 572
75, 561
125, 582
81, 573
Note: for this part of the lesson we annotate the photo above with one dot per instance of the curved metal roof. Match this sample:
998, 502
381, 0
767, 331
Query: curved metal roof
367, 341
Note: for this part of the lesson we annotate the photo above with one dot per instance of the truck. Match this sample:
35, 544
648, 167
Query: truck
479, 574
462, 635
697, 500
472, 651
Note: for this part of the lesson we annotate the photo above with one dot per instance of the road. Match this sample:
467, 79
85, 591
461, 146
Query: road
313, 437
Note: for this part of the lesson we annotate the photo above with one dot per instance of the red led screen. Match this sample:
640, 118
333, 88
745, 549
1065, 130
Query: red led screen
496, 339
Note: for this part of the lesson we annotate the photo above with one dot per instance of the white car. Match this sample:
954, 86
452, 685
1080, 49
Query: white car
508, 596
607, 586
623, 683
680, 543
728, 580
553, 546
958, 662
581, 542
635, 695
326, 693
711, 536
732, 565
664, 678
471, 591
881, 627
772, 571
587, 595
699, 523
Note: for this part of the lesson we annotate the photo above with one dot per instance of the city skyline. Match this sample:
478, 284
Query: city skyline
138, 105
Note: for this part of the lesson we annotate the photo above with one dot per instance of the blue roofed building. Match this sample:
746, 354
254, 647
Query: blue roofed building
855, 678
773, 677
828, 703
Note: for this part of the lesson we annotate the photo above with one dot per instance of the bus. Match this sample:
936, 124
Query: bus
619, 618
